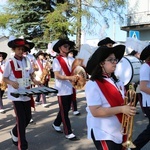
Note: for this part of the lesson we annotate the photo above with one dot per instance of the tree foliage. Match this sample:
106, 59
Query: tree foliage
47, 20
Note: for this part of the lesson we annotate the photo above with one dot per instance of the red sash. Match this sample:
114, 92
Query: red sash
1, 70
66, 71
18, 74
40, 64
114, 97
148, 63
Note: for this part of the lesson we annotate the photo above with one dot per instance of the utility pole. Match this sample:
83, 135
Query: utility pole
78, 36
114, 29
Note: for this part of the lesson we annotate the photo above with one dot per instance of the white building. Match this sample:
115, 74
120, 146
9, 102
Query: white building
138, 18
4, 47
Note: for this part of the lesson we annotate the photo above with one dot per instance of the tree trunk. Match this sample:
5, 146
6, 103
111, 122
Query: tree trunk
78, 36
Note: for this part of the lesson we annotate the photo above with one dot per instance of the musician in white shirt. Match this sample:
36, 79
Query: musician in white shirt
105, 99
18, 74
3, 85
41, 75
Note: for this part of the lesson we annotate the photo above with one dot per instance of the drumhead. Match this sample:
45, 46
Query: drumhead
127, 69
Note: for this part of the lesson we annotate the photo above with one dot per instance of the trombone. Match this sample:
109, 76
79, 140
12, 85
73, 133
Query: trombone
127, 121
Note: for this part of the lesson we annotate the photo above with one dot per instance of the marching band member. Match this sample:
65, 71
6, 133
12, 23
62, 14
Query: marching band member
105, 99
49, 66
106, 42
3, 85
62, 70
18, 74
144, 137
136, 85
27, 53
41, 75
73, 53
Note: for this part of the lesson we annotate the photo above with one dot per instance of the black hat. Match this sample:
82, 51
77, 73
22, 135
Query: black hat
75, 52
105, 41
4, 55
145, 53
62, 42
101, 54
16, 43
133, 53
39, 53
29, 44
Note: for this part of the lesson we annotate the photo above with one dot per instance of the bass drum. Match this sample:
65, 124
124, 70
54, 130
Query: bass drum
128, 69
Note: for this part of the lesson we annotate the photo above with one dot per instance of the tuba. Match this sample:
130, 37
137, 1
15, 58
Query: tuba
127, 122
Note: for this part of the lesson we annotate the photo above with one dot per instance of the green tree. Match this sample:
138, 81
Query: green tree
27, 19
47, 20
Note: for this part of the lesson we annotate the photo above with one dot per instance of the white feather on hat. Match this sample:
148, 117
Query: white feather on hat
11, 38
50, 48
86, 52
135, 44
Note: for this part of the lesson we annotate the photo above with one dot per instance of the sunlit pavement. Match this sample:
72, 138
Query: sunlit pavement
41, 136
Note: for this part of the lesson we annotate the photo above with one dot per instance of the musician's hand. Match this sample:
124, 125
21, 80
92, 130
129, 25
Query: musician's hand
74, 78
14, 84
37, 82
129, 110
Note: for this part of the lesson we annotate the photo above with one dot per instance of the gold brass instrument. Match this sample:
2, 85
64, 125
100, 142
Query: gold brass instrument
3, 86
45, 72
80, 73
127, 121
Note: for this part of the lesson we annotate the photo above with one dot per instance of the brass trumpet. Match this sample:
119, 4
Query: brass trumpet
127, 121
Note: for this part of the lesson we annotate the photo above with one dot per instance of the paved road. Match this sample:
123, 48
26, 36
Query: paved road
41, 136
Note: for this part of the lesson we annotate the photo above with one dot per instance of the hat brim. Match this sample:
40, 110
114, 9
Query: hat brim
16, 43
60, 43
101, 54
39, 53
145, 53
4, 55
31, 44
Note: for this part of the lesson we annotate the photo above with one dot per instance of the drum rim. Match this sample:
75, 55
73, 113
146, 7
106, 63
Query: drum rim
131, 68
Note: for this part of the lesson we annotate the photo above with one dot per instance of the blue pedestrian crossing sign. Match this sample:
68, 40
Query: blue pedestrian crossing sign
134, 34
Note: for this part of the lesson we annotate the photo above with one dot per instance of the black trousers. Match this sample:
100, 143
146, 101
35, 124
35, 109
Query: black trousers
23, 116
62, 116
143, 137
105, 145
1, 100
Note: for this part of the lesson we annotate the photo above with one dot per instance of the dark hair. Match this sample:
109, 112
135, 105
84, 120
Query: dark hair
98, 74
132, 53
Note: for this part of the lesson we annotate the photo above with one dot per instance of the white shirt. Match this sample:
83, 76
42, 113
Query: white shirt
8, 73
104, 128
31, 58
145, 76
64, 87
2, 67
39, 72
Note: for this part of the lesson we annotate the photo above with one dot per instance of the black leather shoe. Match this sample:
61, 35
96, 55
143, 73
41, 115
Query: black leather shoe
74, 139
